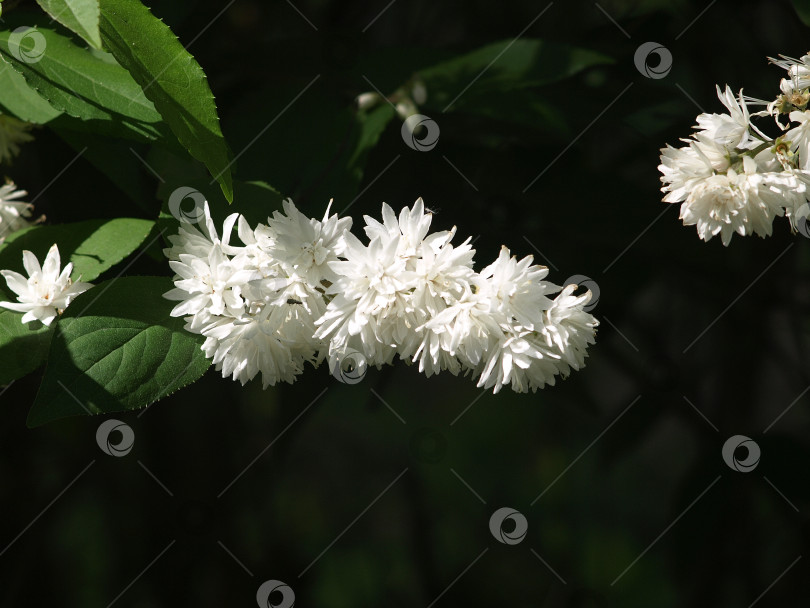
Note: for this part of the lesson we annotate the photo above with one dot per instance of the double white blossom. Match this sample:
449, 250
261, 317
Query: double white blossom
731, 177
47, 292
299, 290
256, 303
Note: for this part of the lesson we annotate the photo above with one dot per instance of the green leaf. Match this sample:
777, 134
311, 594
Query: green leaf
23, 346
80, 16
82, 83
21, 100
93, 246
502, 67
116, 348
172, 79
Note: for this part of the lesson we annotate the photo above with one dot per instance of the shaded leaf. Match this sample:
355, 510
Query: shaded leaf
81, 83
19, 99
171, 78
23, 346
502, 67
93, 246
123, 352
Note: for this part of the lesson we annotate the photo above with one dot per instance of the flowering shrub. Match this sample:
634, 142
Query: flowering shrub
734, 177
269, 290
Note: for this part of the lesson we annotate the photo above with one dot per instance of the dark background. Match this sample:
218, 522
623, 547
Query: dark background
396, 477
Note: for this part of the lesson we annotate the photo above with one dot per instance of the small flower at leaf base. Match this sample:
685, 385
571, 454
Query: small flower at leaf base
47, 292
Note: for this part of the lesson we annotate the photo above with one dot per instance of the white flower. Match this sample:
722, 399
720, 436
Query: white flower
730, 129
410, 229
12, 133
460, 336
799, 137
517, 289
46, 292
199, 241
540, 338
14, 214
570, 329
745, 203
684, 168
243, 348
211, 284
386, 291
370, 310
521, 360
798, 73
304, 246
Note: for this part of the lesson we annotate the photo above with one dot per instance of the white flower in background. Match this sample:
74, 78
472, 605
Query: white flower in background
46, 292
13, 132
14, 213
298, 290
798, 73
731, 176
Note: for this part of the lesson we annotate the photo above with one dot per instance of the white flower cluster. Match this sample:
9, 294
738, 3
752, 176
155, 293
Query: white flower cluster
47, 292
732, 177
300, 290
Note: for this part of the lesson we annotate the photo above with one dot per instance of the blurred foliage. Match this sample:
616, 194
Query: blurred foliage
296, 483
